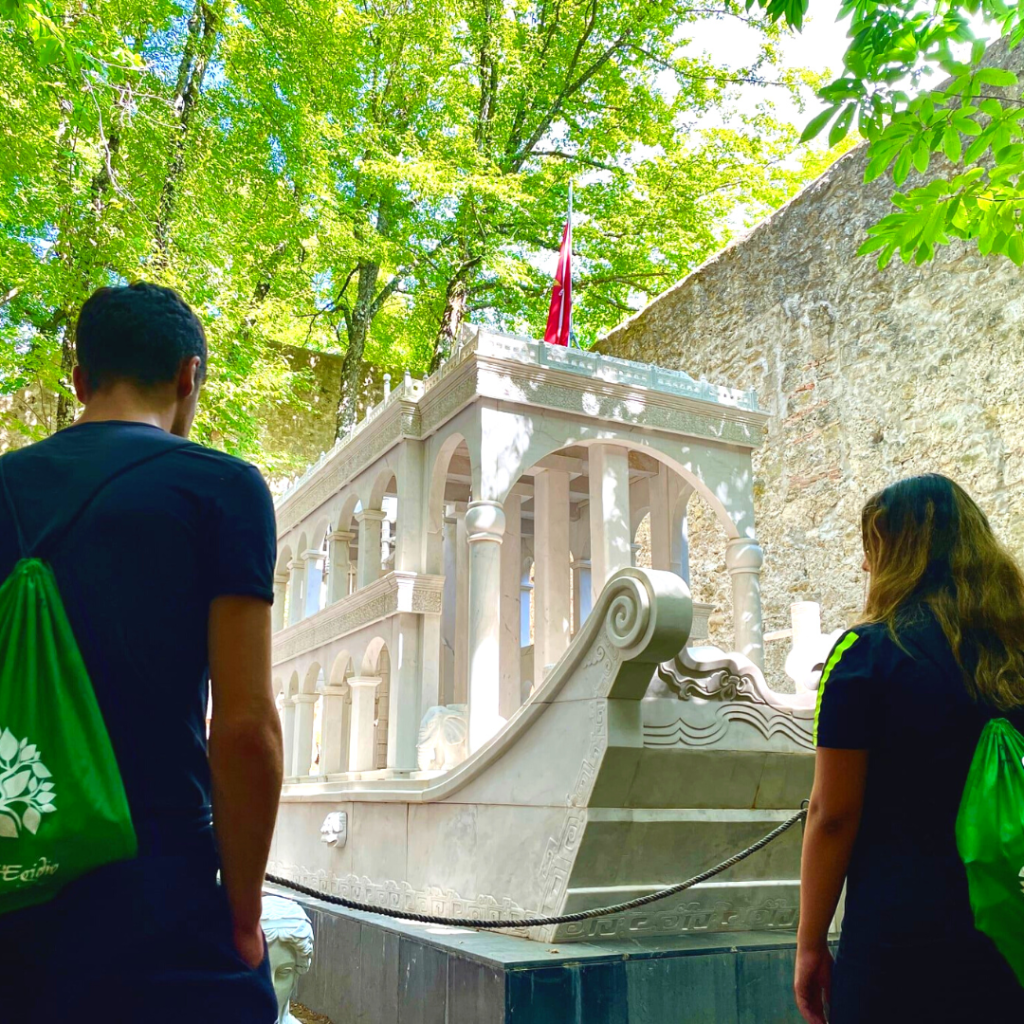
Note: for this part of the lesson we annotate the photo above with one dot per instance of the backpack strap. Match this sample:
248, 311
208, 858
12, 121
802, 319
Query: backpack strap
22, 547
52, 539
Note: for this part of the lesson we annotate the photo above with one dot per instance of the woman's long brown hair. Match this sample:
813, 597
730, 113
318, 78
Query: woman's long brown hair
927, 541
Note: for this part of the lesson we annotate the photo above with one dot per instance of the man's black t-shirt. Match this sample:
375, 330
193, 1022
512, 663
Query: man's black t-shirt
137, 572
906, 704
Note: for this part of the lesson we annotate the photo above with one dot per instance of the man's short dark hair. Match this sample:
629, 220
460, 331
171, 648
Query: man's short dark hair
139, 333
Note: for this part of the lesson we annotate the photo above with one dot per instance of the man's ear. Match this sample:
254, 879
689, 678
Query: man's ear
188, 377
83, 391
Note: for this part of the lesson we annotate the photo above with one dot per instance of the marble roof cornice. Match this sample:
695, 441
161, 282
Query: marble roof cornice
521, 371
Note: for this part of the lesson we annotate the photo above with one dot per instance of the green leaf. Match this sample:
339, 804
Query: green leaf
886, 255
817, 123
873, 244
951, 145
977, 147
966, 124
922, 157
842, 125
902, 168
999, 77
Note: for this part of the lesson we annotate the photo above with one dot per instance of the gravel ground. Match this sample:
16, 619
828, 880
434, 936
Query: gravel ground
308, 1016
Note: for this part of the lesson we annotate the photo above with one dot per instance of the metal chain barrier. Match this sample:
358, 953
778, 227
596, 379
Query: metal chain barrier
536, 922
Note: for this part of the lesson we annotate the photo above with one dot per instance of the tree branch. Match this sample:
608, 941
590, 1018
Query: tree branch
577, 158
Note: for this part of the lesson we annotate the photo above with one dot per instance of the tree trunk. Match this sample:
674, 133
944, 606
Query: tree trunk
357, 325
199, 45
455, 299
65, 400
79, 256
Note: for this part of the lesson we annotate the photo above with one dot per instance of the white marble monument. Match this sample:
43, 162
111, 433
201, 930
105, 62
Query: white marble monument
290, 947
510, 717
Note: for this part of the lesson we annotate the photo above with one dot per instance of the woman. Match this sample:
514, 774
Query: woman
901, 704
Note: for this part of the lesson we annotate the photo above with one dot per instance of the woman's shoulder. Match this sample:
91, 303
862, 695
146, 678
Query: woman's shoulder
864, 637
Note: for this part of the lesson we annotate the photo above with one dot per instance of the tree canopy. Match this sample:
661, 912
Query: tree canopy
966, 132
359, 177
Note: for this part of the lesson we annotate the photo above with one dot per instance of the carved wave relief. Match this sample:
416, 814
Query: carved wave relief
700, 695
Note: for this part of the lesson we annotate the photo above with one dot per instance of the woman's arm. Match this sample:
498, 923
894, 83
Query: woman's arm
833, 818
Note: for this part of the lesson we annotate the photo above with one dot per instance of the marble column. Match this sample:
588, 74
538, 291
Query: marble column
679, 494
280, 599
485, 526
552, 614
286, 709
363, 735
431, 692
369, 521
461, 693
338, 563
743, 559
509, 688
404, 712
449, 612
581, 592
302, 747
333, 731
661, 520
610, 535
296, 591
409, 537
314, 581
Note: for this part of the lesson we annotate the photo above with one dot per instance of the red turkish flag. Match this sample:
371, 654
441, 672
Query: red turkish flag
560, 314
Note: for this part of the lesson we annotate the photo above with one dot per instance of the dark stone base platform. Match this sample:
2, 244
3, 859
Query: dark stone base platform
369, 969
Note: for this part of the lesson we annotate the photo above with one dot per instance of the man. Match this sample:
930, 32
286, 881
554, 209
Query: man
165, 567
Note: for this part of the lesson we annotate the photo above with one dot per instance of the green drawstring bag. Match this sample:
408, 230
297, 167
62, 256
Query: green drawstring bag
63, 808
990, 838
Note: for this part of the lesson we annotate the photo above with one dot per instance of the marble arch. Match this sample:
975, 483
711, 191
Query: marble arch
532, 428
437, 486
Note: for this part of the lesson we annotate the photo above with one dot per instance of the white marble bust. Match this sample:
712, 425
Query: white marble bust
442, 743
290, 944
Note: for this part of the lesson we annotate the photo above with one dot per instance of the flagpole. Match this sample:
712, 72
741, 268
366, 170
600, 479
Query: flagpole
569, 338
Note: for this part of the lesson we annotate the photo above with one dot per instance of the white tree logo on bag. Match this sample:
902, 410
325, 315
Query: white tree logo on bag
26, 792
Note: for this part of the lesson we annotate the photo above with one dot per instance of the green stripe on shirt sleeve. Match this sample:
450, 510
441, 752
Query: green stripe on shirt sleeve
841, 648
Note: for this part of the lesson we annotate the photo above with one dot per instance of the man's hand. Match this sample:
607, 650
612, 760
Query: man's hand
812, 983
250, 945
245, 758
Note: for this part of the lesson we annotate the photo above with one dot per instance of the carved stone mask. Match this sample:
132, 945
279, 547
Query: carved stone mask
334, 830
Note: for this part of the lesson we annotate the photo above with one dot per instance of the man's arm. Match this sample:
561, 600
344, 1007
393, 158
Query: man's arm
245, 758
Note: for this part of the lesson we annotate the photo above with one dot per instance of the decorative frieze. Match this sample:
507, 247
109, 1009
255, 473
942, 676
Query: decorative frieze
396, 592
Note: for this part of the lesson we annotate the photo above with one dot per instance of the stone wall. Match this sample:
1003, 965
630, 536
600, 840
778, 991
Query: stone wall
304, 431
868, 376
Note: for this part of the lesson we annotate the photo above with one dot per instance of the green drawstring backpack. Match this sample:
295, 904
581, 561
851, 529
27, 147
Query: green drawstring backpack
63, 809
990, 838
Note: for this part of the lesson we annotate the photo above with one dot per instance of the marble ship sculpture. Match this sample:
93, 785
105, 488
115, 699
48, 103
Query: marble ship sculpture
488, 710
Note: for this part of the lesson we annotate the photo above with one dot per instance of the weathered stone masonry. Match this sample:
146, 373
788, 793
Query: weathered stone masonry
869, 376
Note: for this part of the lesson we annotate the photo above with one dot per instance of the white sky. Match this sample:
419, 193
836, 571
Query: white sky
819, 47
